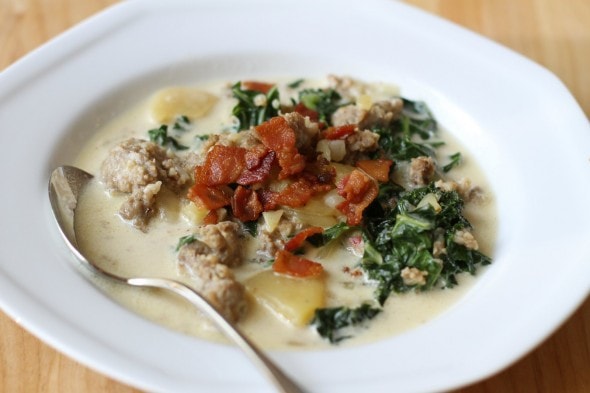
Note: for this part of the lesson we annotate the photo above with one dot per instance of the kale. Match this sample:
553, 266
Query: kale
181, 123
455, 161
404, 237
329, 234
185, 240
323, 101
420, 118
330, 321
295, 84
403, 138
251, 113
161, 137
251, 227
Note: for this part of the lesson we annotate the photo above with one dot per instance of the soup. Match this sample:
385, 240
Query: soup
310, 213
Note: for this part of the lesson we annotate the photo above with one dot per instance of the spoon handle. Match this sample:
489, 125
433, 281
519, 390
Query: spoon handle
280, 380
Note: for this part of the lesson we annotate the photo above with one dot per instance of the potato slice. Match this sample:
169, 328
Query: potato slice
172, 102
294, 299
193, 214
272, 219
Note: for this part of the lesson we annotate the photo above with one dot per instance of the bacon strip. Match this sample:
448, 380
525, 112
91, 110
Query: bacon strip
210, 197
245, 204
223, 165
293, 265
305, 111
261, 87
378, 169
297, 241
358, 191
278, 136
340, 132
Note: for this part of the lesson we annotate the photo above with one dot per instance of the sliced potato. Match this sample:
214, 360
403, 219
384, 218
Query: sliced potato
271, 219
294, 299
316, 212
172, 102
193, 214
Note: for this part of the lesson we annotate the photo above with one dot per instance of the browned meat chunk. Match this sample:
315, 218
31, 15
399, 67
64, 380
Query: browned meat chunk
223, 240
421, 170
215, 281
140, 168
359, 143
271, 242
349, 114
382, 113
139, 207
208, 260
468, 192
136, 163
306, 131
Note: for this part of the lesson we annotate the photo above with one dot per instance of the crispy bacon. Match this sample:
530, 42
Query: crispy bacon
210, 197
268, 199
305, 111
378, 169
358, 191
211, 218
257, 168
223, 165
296, 266
245, 204
261, 87
340, 132
295, 194
280, 138
297, 241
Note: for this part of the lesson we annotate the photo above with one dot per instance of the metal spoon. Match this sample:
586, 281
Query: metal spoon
65, 185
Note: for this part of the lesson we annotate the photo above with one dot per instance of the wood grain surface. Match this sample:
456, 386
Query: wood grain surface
554, 33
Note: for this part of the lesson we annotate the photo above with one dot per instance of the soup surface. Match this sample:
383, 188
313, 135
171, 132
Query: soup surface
309, 212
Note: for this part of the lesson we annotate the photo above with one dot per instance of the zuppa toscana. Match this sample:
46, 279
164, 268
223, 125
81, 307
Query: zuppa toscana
309, 212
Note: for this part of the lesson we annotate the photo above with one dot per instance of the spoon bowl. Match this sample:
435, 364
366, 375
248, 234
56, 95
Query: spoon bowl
65, 186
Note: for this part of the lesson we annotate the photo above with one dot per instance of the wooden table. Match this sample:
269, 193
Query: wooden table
555, 33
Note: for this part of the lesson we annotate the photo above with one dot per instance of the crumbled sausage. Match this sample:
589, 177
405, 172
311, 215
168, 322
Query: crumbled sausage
466, 190
421, 170
213, 280
466, 238
271, 242
224, 241
306, 131
413, 276
348, 114
140, 167
358, 143
382, 113
439, 246
208, 260
347, 87
135, 163
139, 207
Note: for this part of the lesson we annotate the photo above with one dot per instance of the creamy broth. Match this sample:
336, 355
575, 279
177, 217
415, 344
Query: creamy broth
120, 248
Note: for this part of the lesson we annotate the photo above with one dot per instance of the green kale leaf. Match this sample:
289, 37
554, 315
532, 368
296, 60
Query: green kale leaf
161, 137
404, 237
251, 113
323, 101
329, 322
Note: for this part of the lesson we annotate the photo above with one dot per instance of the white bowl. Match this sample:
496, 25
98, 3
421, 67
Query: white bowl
526, 130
